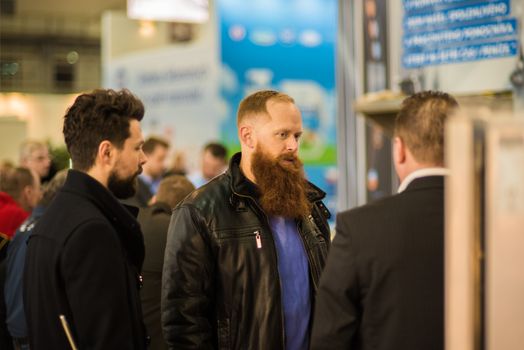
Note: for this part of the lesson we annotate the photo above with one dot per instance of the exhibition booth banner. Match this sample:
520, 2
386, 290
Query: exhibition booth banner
178, 88
286, 46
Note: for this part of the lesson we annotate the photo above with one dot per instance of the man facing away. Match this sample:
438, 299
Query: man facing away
383, 285
86, 252
154, 221
155, 150
244, 252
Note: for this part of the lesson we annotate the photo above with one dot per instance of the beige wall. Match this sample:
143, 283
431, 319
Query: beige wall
41, 113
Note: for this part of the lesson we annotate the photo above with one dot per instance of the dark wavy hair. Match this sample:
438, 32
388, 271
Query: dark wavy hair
98, 116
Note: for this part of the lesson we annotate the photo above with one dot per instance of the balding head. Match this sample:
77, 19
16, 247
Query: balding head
255, 105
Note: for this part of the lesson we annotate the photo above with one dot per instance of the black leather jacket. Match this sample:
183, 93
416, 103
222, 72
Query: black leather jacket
221, 287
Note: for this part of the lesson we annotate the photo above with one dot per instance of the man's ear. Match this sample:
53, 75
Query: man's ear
106, 152
399, 150
245, 133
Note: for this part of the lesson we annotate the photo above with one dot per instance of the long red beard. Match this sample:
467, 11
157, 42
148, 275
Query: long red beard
282, 185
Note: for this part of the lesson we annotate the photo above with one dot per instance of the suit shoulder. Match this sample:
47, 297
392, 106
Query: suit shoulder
374, 208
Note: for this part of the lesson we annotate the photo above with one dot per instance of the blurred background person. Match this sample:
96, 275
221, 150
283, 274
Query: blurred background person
6, 164
179, 164
213, 163
15, 317
19, 194
34, 155
154, 222
155, 150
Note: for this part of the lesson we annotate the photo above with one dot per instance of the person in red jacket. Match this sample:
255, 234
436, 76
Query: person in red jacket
19, 193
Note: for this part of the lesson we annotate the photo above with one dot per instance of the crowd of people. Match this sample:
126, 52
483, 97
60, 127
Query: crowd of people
119, 252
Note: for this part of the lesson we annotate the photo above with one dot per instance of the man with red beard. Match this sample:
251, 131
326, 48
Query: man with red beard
86, 252
244, 252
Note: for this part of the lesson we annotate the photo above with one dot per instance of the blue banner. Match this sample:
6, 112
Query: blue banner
473, 32
461, 54
432, 19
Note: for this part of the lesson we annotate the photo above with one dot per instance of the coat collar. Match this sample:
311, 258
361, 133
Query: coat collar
122, 217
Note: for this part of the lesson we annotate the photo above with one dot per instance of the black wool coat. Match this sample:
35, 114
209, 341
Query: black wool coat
83, 261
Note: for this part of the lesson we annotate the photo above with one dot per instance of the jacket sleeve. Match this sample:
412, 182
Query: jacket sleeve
336, 313
94, 268
187, 282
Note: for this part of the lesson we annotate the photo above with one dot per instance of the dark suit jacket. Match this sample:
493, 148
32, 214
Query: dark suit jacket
154, 222
383, 285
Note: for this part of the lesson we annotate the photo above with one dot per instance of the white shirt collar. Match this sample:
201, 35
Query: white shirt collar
422, 173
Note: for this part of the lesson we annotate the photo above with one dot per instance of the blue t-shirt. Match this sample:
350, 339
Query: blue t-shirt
293, 269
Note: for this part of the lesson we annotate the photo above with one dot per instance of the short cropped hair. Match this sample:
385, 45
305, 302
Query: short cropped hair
28, 147
420, 124
153, 142
14, 180
256, 103
173, 189
216, 149
98, 116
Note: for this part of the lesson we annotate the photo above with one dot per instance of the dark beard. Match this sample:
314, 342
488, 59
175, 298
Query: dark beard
282, 185
122, 188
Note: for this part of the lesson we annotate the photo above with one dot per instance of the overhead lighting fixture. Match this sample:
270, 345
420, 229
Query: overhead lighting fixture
189, 11
146, 29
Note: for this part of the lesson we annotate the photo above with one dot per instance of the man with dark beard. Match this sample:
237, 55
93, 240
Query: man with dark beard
244, 252
86, 252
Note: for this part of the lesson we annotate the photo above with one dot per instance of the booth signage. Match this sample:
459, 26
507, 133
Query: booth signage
451, 31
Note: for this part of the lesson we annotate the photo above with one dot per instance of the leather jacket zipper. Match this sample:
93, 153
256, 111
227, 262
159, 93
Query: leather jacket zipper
276, 262
257, 237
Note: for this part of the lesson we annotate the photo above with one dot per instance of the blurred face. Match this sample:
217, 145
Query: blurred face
155, 164
212, 166
39, 161
279, 134
32, 194
128, 163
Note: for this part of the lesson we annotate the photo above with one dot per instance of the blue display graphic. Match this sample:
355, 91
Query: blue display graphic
478, 31
461, 54
448, 17
287, 46
448, 31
